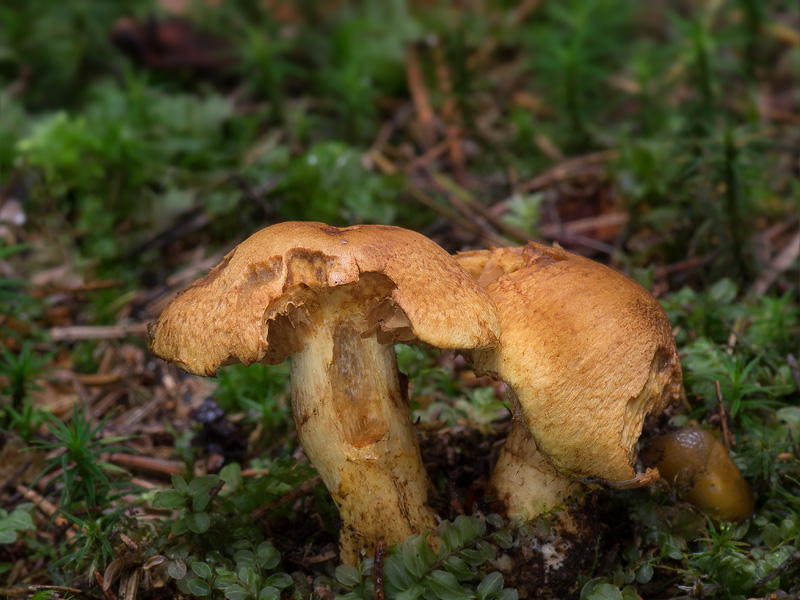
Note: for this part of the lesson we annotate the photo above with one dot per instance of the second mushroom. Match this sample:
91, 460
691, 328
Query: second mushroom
587, 354
336, 300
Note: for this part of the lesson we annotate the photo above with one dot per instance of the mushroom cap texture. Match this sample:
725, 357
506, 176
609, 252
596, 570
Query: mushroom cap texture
587, 352
271, 281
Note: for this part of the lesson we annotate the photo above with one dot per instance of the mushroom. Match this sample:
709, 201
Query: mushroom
336, 300
587, 354
697, 464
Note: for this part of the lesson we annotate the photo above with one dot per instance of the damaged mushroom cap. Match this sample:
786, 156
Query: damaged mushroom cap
336, 299
588, 352
246, 309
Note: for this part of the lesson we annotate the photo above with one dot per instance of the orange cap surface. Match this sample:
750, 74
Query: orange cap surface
587, 351
233, 314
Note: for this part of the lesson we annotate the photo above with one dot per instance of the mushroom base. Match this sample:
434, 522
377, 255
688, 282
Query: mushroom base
550, 553
353, 420
524, 484
550, 556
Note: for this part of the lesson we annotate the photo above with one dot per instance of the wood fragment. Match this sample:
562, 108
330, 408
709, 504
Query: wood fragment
377, 569
474, 206
782, 261
450, 114
584, 225
148, 465
727, 437
297, 492
102, 332
48, 509
589, 166
57, 588
488, 238
420, 97
107, 593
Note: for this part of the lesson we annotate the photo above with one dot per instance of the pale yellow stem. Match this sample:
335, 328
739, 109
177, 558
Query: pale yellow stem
353, 421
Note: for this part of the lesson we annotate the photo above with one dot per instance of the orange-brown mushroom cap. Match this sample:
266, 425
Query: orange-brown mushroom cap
587, 351
246, 309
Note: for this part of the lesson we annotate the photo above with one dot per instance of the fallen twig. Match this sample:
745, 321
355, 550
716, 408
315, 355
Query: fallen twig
782, 261
420, 98
103, 332
727, 437
587, 166
287, 497
148, 465
489, 238
461, 197
48, 508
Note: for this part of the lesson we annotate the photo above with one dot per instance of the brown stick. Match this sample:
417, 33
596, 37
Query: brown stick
727, 438
107, 593
466, 223
420, 98
148, 465
287, 497
48, 508
450, 114
377, 569
589, 165
784, 259
110, 332
471, 204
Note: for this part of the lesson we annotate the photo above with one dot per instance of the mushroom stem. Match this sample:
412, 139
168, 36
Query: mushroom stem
524, 483
354, 424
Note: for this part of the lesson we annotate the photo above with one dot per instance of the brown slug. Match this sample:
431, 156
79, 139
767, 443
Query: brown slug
697, 464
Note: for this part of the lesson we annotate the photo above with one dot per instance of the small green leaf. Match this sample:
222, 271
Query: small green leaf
472, 556
198, 587
199, 501
203, 484
269, 593
469, 528
198, 522
201, 569
445, 586
508, 594
629, 594
449, 536
169, 499
504, 538
232, 476
7, 536
631, 553
179, 527
244, 557
347, 575
179, 483
458, 568
177, 569
18, 520
600, 591
771, 534
395, 572
645, 573
411, 593
248, 576
279, 580
236, 592
268, 556
495, 520
224, 580
491, 585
